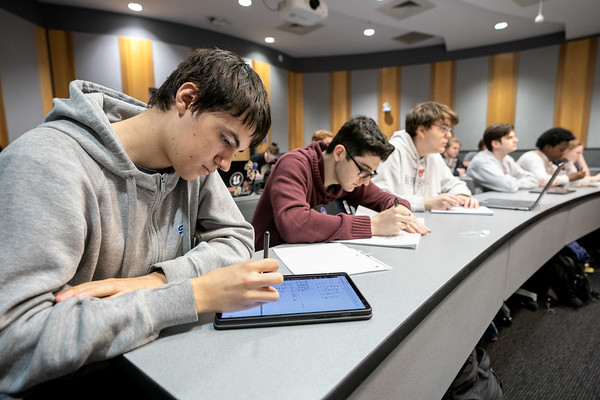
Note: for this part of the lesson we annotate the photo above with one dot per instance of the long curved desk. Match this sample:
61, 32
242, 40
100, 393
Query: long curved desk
429, 312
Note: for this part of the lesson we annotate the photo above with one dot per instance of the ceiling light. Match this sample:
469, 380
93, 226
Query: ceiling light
245, 3
270, 39
369, 32
500, 25
539, 18
135, 7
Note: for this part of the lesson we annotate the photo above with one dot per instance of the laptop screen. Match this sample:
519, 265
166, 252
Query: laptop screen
549, 184
240, 177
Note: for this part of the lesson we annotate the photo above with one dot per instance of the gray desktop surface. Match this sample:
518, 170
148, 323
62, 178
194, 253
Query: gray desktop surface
428, 313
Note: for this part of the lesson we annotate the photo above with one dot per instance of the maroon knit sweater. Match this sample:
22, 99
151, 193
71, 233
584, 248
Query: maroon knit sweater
294, 186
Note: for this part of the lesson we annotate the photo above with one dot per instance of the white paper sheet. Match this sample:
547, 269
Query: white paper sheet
327, 257
481, 210
404, 239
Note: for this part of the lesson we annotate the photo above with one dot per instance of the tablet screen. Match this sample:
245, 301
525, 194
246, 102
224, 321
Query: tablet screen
305, 298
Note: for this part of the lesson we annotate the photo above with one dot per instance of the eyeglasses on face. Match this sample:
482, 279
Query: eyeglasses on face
362, 173
444, 128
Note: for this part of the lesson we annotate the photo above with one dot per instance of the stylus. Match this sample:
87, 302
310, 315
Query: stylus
266, 245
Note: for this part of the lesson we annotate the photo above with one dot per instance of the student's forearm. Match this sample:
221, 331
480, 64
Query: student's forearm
50, 339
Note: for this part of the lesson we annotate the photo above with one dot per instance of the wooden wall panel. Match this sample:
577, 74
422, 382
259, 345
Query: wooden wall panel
62, 61
388, 91
3, 126
502, 88
443, 82
44, 70
295, 110
264, 71
137, 67
574, 85
340, 103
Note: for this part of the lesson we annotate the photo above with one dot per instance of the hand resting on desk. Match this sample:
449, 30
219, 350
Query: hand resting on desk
395, 219
236, 287
113, 287
446, 201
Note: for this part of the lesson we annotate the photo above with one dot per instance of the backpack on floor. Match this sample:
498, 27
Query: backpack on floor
577, 252
568, 280
476, 380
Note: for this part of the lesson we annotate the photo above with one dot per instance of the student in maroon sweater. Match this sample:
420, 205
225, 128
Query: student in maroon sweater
319, 174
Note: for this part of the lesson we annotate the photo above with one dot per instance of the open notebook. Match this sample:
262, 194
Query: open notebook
524, 205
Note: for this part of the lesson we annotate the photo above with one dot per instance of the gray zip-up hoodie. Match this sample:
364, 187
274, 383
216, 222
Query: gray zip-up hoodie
76, 209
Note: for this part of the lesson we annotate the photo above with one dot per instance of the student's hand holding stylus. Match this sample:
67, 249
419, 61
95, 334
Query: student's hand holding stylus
237, 287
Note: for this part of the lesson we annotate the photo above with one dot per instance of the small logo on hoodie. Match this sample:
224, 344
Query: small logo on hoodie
180, 230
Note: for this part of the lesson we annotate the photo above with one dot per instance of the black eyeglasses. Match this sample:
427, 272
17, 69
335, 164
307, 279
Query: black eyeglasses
362, 173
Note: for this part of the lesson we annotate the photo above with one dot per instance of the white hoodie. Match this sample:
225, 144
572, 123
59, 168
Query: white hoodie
412, 178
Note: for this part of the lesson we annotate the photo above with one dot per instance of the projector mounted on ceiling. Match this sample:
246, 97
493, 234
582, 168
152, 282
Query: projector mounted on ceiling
303, 12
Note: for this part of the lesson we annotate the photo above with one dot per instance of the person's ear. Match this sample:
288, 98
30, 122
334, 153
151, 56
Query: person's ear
421, 130
338, 150
185, 96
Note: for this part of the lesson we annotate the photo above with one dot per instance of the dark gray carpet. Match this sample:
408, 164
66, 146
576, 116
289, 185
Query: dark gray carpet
550, 354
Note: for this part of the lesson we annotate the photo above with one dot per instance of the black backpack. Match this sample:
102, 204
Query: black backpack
476, 380
568, 280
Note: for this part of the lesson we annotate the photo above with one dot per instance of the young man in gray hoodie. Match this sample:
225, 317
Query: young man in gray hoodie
115, 225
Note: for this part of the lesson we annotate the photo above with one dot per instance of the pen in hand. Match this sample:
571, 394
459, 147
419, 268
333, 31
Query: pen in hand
266, 244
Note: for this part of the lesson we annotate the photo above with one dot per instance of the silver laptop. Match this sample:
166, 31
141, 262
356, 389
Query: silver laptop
524, 205
554, 190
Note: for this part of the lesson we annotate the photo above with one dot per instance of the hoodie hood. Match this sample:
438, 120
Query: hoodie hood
94, 108
403, 140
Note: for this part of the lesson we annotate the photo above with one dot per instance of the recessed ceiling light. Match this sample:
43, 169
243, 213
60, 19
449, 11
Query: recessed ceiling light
135, 7
369, 32
501, 25
270, 39
245, 3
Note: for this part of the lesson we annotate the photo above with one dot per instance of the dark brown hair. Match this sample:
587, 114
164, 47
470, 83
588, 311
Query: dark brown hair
495, 132
360, 136
226, 83
427, 114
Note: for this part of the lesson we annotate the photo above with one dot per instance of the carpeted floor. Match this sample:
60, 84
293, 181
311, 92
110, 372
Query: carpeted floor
550, 354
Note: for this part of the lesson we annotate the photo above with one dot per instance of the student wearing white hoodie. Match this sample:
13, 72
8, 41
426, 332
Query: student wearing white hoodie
415, 170
114, 225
